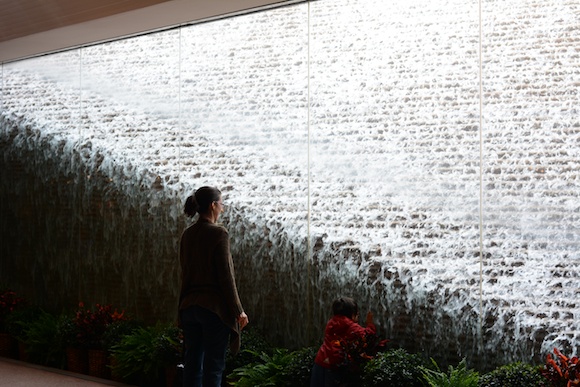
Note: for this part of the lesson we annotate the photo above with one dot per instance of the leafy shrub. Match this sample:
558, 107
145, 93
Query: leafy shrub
562, 371
86, 327
513, 375
297, 372
267, 371
253, 344
115, 332
9, 302
455, 377
146, 352
90, 324
20, 319
167, 345
67, 331
44, 345
396, 368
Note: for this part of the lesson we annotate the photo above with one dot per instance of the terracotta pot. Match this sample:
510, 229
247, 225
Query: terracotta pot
8, 346
22, 354
114, 376
170, 375
99, 363
77, 360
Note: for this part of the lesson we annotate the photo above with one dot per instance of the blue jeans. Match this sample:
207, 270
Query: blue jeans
206, 340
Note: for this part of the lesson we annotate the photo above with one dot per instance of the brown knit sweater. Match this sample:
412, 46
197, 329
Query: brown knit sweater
207, 274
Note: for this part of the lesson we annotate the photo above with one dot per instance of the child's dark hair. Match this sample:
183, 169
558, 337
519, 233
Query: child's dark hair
345, 306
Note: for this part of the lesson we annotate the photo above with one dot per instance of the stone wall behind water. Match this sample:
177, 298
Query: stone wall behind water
354, 157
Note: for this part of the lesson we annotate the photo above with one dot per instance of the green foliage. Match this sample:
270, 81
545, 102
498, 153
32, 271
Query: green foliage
513, 375
396, 368
297, 371
455, 377
146, 351
67, 331
141, 353
268, 371
115, 332
253, 344
44, 345
9, 302
291, 368
167, 345
20, 319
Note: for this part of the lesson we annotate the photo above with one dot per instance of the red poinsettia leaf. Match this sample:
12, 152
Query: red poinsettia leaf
560, 355
553, 364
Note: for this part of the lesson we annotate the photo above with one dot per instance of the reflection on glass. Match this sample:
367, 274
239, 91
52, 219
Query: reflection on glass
395, 160
40, 116
244, 129
531, 222
391, 151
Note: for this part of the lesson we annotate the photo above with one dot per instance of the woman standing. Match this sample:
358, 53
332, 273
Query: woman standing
210, 311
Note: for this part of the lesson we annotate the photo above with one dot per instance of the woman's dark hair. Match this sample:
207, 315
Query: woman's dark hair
345, 306
200, 201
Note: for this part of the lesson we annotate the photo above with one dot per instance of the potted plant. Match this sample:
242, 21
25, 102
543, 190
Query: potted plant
116, 331
84, 334
113, 335
144, 356
9, 302
17, 323
43, 344
76, 355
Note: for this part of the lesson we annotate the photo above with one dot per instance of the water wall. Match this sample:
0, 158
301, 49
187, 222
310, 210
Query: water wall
419, 156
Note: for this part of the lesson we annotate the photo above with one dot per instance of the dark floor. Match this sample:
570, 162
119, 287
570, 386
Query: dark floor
14, 373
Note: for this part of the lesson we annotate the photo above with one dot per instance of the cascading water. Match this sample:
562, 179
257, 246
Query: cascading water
354, 157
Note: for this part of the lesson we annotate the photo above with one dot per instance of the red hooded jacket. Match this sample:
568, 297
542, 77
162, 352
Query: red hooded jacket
339, 328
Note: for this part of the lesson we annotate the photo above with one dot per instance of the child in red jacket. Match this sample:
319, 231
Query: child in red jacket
341, 329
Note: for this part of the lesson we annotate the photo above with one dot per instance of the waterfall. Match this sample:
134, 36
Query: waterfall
346, 138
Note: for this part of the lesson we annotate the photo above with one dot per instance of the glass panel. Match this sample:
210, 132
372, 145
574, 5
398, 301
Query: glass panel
395, 165
41, 107
130, 118
244, 109
531, 187
354, 156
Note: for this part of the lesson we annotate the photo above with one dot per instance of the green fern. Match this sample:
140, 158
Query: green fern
455, 377
43, 344
264, 373
146, 351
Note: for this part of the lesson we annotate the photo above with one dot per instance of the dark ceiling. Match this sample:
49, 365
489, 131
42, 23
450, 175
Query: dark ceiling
26, 17
33, 27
